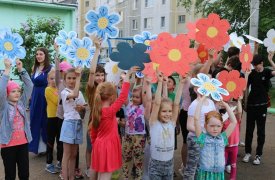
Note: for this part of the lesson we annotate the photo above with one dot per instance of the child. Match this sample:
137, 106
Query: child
134, 140
72, 130
53, 124
15, 133
106, 154
231, 151
162, 127
212, 143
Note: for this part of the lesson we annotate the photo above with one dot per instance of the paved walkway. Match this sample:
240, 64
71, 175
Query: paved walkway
246, 171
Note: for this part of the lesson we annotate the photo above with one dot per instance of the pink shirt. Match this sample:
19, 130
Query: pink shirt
18, 136
234, 138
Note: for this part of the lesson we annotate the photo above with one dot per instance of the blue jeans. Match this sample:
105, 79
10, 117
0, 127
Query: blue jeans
161, 170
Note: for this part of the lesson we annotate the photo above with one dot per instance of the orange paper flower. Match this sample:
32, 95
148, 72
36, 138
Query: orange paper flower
150, 71
173, 54
233, 83
212, 31
246, 57
203, 53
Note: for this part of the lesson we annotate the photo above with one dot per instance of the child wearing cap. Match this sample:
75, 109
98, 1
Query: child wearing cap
15, 131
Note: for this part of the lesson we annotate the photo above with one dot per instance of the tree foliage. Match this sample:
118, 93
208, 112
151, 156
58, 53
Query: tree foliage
36, 33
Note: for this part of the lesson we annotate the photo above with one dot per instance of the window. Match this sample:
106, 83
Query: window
162, 22
87, 3
181, 19
135, 4
163, 1
147, 23
134, 25
120, 34
148, 3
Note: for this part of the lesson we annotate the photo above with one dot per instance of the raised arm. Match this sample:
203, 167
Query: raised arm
164, 87
197, 116
4, 82
91, 79
57, 62
147, 97
176, 104
239, 108
232, 118
157, 101
75, 92
270, 59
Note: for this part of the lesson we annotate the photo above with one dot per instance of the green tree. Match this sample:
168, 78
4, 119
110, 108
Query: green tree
39, 32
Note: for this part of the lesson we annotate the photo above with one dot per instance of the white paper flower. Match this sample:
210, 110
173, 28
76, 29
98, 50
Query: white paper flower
269, 42
209, 86
113, 72
254, 39
235, 40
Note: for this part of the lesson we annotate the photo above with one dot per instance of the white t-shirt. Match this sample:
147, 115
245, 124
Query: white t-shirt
206, 107
70, 104
162, 140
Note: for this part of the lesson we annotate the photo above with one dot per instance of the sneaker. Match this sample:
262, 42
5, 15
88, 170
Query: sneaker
61, 176
257, 160
246, 158
88, 173
242, 144
50, 168
58, 166
78, 174
228, 169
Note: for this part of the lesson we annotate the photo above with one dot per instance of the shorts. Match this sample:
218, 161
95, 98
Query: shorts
161, 170
72, 131
183, 124
89, 142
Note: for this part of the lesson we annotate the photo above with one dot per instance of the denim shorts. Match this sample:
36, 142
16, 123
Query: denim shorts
161, 170
72, 131
89, 143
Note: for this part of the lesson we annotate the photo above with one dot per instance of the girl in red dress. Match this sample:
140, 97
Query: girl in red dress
106, 153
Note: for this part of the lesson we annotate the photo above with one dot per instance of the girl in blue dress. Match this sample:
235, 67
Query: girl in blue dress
38, 114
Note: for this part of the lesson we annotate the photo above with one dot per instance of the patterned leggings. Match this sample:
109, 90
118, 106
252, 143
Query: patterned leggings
133, 149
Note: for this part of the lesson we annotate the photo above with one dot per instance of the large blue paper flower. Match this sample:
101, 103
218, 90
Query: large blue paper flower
128, 56
10, 46
102, 23
82, 52
209, 86
64, 40
145, 38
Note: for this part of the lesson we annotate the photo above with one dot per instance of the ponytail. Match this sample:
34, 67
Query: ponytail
96, 112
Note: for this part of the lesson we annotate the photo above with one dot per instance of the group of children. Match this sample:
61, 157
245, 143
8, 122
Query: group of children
131, 124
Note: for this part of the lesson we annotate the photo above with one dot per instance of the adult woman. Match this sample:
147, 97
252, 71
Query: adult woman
38, 115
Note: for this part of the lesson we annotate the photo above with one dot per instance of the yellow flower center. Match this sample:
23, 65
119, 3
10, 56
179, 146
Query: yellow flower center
102, 22
245, 57
209, 87
202, 54
147, 42
115, 69
273, 40
174, 55
231, 44
82, 53
239, 42
68, 42
212, 32
155, 66
231, 86
8, 46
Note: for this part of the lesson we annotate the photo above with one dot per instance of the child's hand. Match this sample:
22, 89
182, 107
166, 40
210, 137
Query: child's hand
270, 55
197, 44
79, 108
182, 79
97, 41
240, 98
160, 76
211, 52
78, 71
147, 79
7, 63
165, 80
133, 70
19, 65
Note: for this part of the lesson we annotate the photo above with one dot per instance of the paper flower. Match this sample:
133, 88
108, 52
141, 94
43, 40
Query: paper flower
209, 86
139, 74
102, 23
192, 30
246, 57
233, 83
235, 40
212, 31
150, 71
269, 42
172, 54
10, 46
82, 52
203, 53
128, 56
145, 38
254, 39
113, 72
64, 40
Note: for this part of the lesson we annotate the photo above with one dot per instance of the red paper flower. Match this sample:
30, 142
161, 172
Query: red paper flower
150, 71
173, 54
212, 31
246, 57
233, 83
192, 30
203, 53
